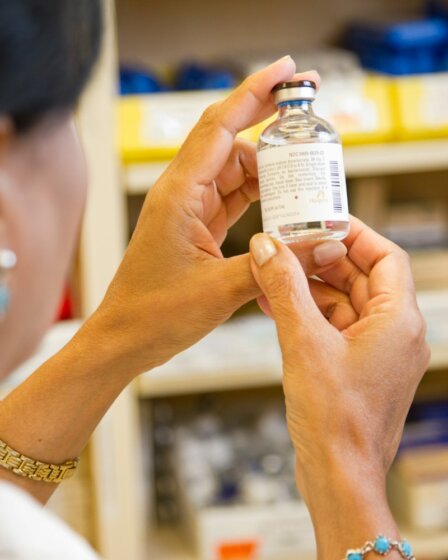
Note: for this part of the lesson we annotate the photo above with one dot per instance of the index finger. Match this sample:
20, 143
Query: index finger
369, 252
209, 144
366, 247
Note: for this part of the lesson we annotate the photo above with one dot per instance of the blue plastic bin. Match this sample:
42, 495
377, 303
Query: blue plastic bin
413, 47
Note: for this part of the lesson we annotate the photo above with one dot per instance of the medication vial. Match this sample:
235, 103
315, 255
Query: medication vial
301, 172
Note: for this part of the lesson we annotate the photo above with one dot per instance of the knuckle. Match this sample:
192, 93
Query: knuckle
279, 285
404, 256
349, 282
210, 116
249, 87
414, 327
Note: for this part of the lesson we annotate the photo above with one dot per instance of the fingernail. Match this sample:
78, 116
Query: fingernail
329, 252
262, 248
283, 58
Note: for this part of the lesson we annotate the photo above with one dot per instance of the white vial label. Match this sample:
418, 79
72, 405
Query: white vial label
302, 183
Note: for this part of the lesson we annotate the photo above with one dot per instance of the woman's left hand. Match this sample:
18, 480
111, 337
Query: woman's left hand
174, 286
350, 372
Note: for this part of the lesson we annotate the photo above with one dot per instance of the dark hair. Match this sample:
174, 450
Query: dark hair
47, 50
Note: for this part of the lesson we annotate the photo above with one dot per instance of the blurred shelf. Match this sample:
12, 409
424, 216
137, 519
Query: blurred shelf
138, 178
439, 356
168, 545
244, 353
360, 161
158, 384
206, 382
54, 340
399, 157
227, 358
253, 361
428, 545
430, 268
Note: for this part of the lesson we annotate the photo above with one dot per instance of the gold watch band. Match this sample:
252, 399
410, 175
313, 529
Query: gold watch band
35, 470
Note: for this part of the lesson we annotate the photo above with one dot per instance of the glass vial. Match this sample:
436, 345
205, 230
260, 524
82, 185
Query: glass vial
301, 171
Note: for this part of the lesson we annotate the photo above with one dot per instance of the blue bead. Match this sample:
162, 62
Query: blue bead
406, 548
354, 556
5, 298
382, 545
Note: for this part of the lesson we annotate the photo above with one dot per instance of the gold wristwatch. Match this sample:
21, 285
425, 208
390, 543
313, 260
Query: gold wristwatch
35, 470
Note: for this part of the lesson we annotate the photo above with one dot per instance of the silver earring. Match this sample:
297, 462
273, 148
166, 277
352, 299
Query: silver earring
8, 261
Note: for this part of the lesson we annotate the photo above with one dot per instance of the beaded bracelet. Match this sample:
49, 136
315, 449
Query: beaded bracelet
381, 545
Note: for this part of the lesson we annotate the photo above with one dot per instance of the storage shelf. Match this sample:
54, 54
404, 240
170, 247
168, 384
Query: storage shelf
158, 385
168, 545
394, 158
205, 382
122, 506
428, 545
244, 354
439, 356
360, 161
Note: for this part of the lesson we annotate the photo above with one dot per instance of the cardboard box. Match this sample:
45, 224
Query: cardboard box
418, 488
246, 532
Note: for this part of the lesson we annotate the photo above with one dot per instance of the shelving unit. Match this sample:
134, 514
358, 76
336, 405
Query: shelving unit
119, 488
433, 545
360, 162
123, 525
152, 385
168, 546
395, 158
249, 357
120, 509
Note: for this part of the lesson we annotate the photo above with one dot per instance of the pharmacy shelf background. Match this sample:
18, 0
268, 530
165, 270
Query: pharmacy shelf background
167, 545
245, 348
248, 354
360, 161
113, 503
243, 355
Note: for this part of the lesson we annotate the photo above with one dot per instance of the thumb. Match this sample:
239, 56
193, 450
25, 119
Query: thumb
283, 281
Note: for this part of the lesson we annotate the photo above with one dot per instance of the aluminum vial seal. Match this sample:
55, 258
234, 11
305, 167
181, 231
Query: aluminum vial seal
302, 90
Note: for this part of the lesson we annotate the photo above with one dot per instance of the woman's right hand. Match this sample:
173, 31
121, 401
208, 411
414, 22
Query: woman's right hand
351, 369
174, 285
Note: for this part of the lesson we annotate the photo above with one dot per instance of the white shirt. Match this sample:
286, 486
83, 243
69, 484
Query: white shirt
30, 532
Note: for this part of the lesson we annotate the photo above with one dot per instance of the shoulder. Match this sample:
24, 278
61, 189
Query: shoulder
30, 532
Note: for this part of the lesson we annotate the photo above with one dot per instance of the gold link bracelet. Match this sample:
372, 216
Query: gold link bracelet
35, 470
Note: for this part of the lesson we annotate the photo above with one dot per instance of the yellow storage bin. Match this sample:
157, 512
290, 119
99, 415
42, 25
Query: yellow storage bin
152, 127
421, 106
359, 106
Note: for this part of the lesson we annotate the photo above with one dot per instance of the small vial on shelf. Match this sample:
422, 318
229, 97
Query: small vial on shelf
301, 171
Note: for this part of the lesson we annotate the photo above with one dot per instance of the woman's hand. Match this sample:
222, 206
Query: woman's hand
351, 369
174, 286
